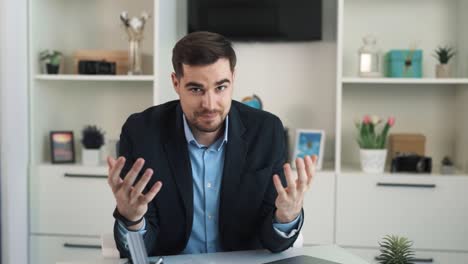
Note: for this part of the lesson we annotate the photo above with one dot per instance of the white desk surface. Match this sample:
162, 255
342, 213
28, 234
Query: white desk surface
331, 252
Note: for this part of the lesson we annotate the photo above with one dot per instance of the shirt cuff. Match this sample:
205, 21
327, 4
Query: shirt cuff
288, 230
122, 232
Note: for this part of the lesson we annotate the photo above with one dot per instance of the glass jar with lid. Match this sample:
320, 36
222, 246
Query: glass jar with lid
369, 58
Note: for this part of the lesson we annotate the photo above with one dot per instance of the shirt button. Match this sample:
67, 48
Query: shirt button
210, 216
208, 185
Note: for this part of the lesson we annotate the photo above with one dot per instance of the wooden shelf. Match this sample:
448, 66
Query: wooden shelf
76, 77
358, 80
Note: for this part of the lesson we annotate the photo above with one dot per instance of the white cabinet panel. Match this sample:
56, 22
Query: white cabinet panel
433, 257
319, 210
71, 200
51, 249
431, 211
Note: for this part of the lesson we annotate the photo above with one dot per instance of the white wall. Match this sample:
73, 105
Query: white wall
13, 133
295, 80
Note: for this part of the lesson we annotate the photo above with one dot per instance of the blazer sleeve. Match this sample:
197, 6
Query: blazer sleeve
126, 150
269, 238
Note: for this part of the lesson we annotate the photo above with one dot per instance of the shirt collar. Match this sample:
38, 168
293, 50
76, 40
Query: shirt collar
218, 144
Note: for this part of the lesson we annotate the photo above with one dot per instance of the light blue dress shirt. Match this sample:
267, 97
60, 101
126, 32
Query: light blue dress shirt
207, 170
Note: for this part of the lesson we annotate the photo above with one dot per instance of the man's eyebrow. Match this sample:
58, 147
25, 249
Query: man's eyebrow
222, 81
191, 84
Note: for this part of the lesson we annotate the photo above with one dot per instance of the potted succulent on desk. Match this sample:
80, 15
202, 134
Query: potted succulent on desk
93, 139
51, 60
395, 250
443, 55
372, 143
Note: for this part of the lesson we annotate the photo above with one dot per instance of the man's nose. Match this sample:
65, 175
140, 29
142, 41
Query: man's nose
209, 100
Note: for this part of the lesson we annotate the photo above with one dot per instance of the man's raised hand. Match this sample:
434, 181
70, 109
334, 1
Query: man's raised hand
131, 202
289, 201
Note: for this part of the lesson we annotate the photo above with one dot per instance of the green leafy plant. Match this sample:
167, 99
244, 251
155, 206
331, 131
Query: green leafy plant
444, 54
51, 57
446, 161
395, 250
93, 137
368, 136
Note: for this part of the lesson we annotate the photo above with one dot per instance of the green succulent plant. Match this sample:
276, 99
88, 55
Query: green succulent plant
446, 161
396, 250
444, 54
51, 56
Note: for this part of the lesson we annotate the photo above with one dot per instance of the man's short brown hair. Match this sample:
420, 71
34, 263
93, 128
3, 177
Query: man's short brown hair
201, 48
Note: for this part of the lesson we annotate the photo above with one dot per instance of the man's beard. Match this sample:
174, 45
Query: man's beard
211, 127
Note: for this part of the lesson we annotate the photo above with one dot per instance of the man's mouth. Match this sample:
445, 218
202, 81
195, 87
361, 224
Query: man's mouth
209, 115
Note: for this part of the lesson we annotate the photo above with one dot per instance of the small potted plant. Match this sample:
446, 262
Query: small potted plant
372, 143
447, 167
93, 139
51, 60
443, 55
395, 250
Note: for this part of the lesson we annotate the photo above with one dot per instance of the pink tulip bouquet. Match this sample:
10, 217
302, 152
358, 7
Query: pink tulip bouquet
368, 136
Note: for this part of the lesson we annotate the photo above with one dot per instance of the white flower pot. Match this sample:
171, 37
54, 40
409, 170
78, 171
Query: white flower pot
443, 71
447, 170
91, 157
373, 160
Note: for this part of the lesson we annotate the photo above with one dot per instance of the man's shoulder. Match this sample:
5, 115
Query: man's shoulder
157, 114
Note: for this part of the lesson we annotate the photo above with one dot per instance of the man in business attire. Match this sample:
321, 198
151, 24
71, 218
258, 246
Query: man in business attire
206, 173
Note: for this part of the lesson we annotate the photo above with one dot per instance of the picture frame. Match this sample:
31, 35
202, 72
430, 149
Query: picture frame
62, 147
309, 142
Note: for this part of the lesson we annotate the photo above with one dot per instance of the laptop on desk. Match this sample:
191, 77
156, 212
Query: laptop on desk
303, 259
138, 253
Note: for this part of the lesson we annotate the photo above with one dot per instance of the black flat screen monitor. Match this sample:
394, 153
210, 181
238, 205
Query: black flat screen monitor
258, 20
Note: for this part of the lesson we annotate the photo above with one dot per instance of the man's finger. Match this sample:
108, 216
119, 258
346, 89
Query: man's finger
148, 197
301, 175
110, 162
141, 184
310, 168
114, 173
133, 173
279, 186
290, 180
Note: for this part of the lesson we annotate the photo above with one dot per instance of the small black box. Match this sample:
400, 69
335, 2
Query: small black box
96, 67
412, 163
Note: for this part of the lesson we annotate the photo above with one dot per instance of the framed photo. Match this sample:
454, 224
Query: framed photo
309, 142
62, 148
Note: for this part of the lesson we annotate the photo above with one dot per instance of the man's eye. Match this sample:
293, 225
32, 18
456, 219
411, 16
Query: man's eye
195, 90
221, 88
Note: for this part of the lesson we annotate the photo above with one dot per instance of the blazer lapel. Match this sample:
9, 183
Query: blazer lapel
236, 149
179, 160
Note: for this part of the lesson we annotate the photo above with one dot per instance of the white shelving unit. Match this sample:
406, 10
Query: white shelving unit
75, 210
358, 80
427, 105
370, 206
110, 78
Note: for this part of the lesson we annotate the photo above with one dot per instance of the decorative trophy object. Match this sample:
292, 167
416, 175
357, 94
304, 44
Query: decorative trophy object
134, 27
369, 58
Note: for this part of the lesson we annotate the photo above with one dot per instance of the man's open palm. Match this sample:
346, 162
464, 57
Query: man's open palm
289, 201
131, 202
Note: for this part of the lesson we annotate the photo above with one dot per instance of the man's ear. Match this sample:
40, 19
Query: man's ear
175, 82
